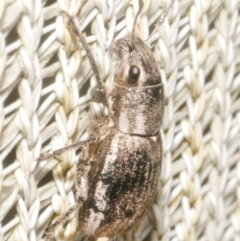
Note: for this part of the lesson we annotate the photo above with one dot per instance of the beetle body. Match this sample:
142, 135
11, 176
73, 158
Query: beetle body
119, 167
118, 173
123, 175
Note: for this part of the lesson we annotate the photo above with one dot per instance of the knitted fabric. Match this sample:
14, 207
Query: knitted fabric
45, 104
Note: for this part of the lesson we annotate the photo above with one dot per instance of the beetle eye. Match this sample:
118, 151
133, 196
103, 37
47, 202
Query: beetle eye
133, 73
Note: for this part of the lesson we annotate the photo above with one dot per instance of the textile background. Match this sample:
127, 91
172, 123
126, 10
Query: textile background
45, 104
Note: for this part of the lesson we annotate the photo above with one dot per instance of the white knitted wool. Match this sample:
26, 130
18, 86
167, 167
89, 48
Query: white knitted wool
45, 104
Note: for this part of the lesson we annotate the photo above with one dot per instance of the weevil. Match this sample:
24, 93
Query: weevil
119, 165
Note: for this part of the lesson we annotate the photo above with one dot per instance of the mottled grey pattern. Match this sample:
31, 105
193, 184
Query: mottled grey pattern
137, 110
123, 180
119, 168
118, 173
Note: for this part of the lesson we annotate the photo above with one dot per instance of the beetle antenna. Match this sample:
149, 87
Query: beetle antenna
84, 43
161, 19
135, 20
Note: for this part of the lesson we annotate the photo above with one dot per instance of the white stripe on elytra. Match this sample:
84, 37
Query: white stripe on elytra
112, 155
99, 196
94, 222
